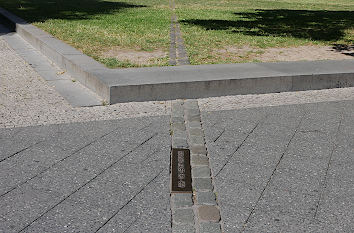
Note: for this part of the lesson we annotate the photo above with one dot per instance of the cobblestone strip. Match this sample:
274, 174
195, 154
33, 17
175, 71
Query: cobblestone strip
178, 53
198, 212
181, 203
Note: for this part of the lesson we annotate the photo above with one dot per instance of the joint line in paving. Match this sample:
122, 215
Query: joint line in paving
20, 151
229, 157
63, 159
130, 200
271, 176
222, 132
92, 179
324, 183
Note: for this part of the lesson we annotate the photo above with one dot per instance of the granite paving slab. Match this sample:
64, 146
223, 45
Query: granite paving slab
285, 168
101, 175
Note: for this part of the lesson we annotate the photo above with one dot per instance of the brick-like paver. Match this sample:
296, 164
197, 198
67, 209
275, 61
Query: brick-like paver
209, 213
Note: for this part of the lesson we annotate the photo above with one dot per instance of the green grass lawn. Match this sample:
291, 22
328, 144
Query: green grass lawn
96, 27
210, 26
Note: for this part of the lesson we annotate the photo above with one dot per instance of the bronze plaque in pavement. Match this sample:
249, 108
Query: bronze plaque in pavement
181, 171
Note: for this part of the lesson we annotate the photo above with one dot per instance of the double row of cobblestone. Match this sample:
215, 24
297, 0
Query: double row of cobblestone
197, 212
178, 54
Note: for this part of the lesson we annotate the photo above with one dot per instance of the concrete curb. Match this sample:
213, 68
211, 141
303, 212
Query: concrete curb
167, 83
75, 94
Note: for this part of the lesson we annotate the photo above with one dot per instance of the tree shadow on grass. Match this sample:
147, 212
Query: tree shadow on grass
41, 10
306, 24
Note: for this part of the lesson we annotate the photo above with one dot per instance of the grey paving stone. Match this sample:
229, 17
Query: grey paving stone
192, 112
177, 119
193, 118
179, 134
209, 213
201, 172
289, 202
181, 200
177, 110
206, 198
196, 132
183, 216
177, 113
148, 212
190, 104
183, 228
194, 124
198, 149
22, 138
210, 227
202, 183
198, 140
179, 143
107, 193
178, 126
335, 211
199, 160
177, 107
192, 115
54, 146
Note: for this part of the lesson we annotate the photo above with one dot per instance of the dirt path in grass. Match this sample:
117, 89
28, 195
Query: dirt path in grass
301, 53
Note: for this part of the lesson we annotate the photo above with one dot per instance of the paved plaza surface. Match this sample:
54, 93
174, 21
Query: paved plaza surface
280, 162
284, 169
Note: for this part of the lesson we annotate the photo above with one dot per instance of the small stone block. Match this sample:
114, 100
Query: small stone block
183, 228
183, 216
210, 227
198, 160
192, 115
194, 124
198, 149
201, 172
193, 118
177, 112
190, 104
209, 213
178, 126
206, 198
181, 200
177, 119
193, 111
179, 143
177, 103
177, 106
195, 131
179, 134
198, 140
202, 184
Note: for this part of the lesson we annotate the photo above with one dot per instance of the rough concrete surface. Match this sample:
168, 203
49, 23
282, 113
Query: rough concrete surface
26, 99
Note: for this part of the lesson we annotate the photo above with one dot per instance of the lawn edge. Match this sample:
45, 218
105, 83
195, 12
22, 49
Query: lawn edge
176, 82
